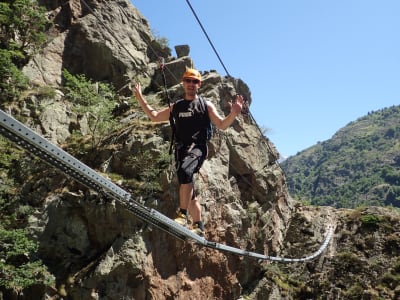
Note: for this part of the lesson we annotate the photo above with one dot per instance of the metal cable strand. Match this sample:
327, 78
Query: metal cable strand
208, 38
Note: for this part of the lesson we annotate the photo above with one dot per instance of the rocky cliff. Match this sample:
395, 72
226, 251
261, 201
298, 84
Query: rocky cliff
98, 250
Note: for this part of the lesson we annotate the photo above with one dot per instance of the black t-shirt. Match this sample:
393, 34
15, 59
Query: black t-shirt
191, 121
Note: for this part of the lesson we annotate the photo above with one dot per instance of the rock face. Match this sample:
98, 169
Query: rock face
105, 40
98, 250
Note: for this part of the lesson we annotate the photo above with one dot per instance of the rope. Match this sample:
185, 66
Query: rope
164, 67
171, 118
208, 38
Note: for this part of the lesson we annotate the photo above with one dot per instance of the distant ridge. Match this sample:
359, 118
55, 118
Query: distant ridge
358, 166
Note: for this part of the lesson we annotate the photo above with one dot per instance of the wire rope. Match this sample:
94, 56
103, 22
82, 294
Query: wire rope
208, 38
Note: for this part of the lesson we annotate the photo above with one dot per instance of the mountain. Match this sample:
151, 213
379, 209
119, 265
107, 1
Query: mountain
62, 240
358, 166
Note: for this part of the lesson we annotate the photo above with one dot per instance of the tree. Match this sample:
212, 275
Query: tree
94, 100
22, 32
22, 28
20, 266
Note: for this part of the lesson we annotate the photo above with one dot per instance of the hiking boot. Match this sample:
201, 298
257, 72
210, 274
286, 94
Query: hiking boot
180, 218
197, 230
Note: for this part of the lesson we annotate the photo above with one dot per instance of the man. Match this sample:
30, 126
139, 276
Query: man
191, 120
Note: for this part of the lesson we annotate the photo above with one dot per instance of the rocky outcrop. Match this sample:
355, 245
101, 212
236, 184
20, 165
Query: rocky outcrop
105, 40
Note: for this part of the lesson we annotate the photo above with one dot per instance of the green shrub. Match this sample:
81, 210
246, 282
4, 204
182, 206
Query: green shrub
20, 266
12, 80
147, 170
391, 280
355, 292
23, 24
370, 221
23, 28
93, 100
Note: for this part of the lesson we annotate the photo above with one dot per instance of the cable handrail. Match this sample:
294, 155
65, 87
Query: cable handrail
31, 141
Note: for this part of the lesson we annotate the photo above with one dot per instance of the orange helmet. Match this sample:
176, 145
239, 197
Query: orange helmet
191, 73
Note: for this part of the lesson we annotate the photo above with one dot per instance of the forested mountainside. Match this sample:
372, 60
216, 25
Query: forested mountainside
358, 166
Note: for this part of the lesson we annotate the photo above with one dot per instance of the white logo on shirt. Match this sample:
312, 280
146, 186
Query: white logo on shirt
185, 114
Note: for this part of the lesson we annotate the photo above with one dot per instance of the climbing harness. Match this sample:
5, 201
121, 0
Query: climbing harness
56, 157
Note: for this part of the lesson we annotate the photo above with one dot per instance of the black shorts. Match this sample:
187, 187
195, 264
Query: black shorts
188, 161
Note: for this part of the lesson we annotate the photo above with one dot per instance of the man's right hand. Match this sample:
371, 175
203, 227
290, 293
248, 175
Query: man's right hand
137, 90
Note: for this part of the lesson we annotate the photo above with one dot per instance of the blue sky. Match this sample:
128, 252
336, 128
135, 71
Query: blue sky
312, 66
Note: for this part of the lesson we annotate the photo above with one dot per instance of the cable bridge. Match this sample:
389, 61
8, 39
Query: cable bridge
55, 156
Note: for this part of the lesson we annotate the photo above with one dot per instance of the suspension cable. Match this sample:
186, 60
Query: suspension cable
228, 74
208, 38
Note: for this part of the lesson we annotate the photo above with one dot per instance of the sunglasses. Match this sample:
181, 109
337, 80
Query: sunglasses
194, 81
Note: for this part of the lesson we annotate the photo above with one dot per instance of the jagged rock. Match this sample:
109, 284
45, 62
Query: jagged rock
182, 50
115, 53
174, 68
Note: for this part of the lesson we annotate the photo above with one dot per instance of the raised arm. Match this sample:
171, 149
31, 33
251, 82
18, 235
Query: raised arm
224, 123
155, 116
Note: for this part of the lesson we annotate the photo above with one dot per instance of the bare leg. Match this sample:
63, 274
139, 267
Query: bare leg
195, 210
185, 201
185, 194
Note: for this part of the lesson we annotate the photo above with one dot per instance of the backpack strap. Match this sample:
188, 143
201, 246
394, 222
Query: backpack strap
204, 106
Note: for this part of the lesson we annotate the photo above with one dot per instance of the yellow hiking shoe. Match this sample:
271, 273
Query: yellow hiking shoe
197, 230
181, 218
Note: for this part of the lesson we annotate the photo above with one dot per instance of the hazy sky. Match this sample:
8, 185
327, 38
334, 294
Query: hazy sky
312, 66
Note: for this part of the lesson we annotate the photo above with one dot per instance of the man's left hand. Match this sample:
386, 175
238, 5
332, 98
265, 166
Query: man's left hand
238, 104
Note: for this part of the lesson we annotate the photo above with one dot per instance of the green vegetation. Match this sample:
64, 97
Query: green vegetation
20, 266
160, 47
23, 23
355, 292
93, 100
23, 27
12, 81
145, 171
96, 101
359, 166
371, 221
162, 41
391, 280
22, 32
